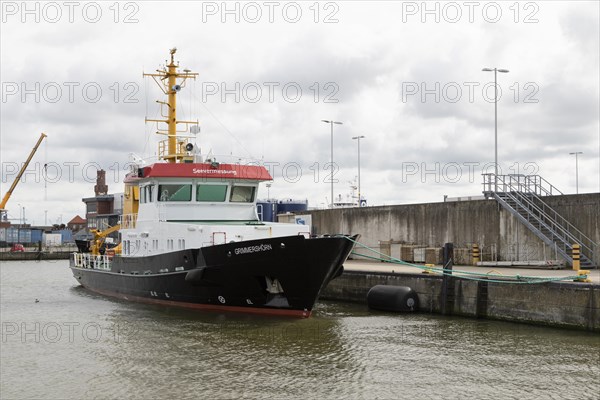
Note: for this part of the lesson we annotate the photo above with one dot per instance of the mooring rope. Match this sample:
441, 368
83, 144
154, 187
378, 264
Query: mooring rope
474, 276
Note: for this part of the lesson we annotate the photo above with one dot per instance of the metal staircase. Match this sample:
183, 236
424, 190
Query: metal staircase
521, 195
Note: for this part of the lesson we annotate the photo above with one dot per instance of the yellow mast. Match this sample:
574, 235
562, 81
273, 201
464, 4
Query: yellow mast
167, 80
172, 104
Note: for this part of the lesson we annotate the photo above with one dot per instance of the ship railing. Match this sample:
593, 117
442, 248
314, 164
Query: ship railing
234, 159
128, 221
90, 261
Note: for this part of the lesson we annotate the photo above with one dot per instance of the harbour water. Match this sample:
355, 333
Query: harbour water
60, 341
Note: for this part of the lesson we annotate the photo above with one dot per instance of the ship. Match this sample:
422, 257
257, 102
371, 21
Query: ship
190, 235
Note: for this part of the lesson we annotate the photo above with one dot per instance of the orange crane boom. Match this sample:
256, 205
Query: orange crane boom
18, 178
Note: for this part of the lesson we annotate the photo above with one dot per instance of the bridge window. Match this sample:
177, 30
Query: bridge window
211, 192
175, 192
242, 194
146, 193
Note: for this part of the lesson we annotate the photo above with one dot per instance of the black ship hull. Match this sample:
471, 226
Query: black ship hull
281, 276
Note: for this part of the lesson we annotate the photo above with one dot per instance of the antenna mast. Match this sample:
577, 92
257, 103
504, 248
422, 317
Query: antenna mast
172, 149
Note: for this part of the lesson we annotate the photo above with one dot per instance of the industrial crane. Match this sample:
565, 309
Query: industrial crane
18, 178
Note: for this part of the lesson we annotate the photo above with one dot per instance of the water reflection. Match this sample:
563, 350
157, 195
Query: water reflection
111, 348
227, 355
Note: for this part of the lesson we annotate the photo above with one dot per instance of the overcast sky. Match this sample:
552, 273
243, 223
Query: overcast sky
407, 76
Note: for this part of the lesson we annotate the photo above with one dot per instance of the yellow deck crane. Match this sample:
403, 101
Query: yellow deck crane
18, 178
100, 237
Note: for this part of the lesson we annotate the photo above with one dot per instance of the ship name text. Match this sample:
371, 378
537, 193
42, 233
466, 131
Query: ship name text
214, 171
253, 249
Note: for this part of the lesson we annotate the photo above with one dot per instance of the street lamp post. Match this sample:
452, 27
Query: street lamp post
496, 70
332, 169
576, 153
357, 138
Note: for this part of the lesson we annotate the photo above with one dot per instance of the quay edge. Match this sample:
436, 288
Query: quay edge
34, 255
557, 304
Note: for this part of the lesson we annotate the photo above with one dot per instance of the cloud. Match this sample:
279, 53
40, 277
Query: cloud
373, 54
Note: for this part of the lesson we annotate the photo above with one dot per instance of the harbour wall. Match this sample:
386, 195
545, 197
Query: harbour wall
499, 234
34, 255
558, 304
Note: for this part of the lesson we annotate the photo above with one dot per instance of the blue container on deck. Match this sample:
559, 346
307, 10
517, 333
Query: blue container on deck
291, 206
269, 209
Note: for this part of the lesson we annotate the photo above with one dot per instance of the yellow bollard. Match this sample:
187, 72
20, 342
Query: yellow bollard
582, 273
475, 253
428, 269
576, 257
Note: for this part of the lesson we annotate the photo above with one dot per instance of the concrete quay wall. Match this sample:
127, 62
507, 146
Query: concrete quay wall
34, 255
463, 223
567, 305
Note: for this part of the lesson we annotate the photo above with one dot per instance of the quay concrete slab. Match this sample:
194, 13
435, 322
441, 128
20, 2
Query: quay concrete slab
377, 266
560, 304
